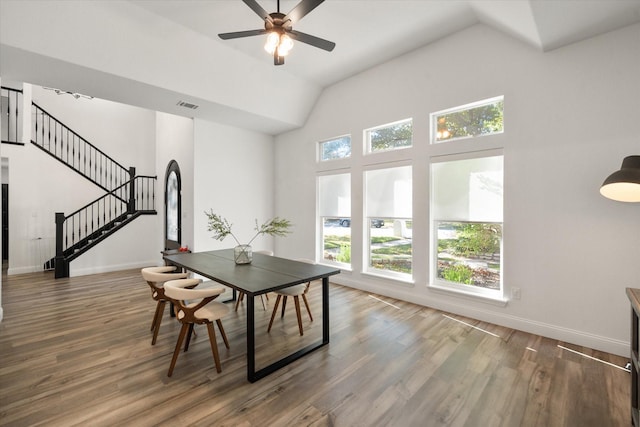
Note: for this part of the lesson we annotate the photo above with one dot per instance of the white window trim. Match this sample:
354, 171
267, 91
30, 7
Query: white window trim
367, 140
319, 253
319, 149
469, 294
434, 126
452, 288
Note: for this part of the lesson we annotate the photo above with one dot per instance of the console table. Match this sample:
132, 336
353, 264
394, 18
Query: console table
634, 297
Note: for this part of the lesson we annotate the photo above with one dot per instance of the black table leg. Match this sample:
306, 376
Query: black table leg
251, 340
254, 375
325, 310
233, 298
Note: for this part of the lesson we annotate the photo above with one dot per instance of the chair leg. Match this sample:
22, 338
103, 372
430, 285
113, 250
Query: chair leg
275, 310
157, 319
214, 346
240, 298
284, 304
155, 315
186, 344
306, 303
296, 300
263, 305
183, 332
224, 336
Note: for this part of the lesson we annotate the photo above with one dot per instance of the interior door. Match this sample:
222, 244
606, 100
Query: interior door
172, 207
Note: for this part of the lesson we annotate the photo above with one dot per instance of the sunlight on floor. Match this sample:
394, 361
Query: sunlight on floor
594, 358
382, 301
471, 326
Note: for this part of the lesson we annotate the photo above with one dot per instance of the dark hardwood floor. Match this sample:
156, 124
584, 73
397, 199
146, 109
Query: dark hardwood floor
78, 352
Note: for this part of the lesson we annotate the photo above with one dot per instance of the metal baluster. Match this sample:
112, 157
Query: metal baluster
83, 162
8, 114
17, 122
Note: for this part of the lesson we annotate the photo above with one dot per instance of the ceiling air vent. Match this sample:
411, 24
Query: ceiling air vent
187, 105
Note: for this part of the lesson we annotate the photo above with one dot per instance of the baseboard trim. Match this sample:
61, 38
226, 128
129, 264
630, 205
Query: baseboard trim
23, 270
429, 299
109, 268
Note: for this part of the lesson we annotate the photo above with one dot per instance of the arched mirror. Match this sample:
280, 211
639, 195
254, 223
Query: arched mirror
173, 207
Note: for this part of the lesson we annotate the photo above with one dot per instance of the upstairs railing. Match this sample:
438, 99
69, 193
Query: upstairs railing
10, 106
57, 139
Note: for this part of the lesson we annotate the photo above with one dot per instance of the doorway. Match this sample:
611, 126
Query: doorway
172, 207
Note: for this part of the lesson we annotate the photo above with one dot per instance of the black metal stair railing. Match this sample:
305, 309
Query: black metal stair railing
127, 195
58, 140
10, 108
79, 231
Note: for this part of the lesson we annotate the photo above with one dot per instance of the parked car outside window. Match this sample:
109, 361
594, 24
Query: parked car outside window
377, 223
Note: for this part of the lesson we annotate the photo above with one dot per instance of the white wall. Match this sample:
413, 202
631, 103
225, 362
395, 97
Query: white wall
570, 117
233, 176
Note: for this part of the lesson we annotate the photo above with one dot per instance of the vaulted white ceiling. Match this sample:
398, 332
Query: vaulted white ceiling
154, 53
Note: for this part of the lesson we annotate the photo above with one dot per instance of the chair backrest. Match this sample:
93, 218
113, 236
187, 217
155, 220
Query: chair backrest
162, 274
182, 290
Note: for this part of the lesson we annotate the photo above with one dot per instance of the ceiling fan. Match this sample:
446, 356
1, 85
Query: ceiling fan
278, 26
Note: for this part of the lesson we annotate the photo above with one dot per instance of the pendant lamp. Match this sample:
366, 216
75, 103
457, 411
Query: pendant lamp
624, 185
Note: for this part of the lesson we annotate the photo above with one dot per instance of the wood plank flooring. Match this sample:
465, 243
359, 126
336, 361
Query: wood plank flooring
78, 352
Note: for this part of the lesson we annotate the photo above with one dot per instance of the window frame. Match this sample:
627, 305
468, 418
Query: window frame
319, 152
367, 139
433, 119
366, 235
320, 220
453, 287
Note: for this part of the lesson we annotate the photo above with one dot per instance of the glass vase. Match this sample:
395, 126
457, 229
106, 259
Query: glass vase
242, 254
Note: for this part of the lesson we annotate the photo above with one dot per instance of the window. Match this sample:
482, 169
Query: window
479, 118
389, 137
389, 221
338, 148
467, 224
334, 207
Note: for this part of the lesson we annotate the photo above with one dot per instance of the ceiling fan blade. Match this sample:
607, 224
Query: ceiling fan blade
239, 34
312, 40
253, 4
301, 9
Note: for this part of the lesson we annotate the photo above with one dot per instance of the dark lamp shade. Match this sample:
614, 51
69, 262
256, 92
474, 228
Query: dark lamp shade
624, 185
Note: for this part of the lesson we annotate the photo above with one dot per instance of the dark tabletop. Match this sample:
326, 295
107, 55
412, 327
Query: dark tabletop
264, 274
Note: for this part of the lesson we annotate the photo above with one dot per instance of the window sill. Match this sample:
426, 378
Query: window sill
408, 281
498, 301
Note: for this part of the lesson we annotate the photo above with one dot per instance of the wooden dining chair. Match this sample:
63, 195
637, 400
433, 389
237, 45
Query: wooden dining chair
296, 292
195, 306
155, 278
262, 297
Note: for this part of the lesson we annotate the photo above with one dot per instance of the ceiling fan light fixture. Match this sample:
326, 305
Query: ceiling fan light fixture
273, 39
280, 42
285, 45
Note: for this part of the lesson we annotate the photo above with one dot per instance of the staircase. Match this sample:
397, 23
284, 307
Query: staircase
126, 197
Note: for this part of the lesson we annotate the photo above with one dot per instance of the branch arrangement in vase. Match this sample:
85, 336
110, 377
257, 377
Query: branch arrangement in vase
221, 228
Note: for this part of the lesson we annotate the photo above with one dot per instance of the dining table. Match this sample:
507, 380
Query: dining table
262, 275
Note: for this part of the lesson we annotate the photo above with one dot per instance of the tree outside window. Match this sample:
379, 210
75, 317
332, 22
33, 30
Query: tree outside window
484, 118
390, 137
